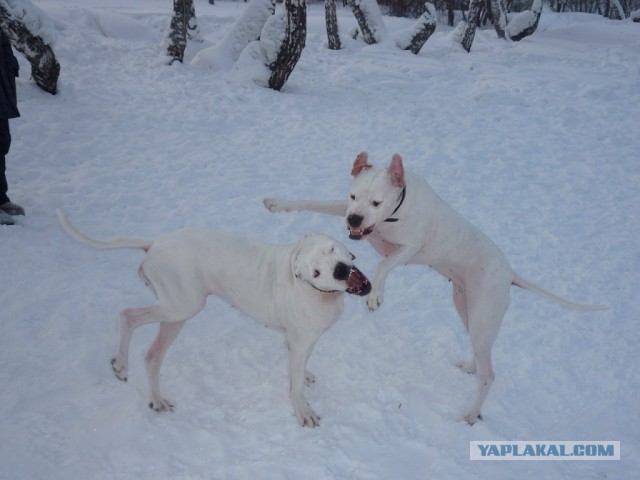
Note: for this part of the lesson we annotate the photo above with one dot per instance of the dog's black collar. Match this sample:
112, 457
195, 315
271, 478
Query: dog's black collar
401, 201
324, 291
316, 288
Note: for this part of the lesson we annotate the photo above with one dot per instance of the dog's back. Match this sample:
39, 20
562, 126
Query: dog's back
241, 271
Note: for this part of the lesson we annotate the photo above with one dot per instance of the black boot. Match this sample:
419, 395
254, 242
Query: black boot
5, 219
11, 208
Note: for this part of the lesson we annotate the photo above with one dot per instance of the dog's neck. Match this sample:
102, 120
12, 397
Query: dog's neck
400, 202
328, 292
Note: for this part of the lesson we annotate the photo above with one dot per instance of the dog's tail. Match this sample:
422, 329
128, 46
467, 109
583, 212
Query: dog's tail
522, 283
118, 242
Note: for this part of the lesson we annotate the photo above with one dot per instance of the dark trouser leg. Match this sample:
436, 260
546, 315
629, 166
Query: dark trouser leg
3, 182
5, 143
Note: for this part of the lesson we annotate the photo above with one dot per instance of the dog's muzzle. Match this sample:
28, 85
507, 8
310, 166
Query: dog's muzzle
359, 233
357, 283
356, 230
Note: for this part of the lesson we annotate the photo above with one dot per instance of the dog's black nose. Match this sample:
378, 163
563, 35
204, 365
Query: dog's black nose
355, 220
341, 272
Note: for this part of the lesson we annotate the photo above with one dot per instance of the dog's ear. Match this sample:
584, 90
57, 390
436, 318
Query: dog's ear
360, 164
396, 171
295, 268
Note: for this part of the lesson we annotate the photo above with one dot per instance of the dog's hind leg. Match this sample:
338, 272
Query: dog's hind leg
173, 309
167, 333
486, 308
460, 301
130, 319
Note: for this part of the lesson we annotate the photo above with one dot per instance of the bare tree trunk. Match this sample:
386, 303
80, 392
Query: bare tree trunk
193, 32
616, 11
45, 69
183, 16
450, 12
499, 16
367, 13
290, 49
472, 21
331, 19
416, 36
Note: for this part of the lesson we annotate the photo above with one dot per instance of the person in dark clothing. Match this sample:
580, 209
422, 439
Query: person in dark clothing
9, 70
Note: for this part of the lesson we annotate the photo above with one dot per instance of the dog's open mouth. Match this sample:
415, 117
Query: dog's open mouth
359, 233
358, 283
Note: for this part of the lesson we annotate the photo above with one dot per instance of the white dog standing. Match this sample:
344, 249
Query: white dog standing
407, 222
295, 288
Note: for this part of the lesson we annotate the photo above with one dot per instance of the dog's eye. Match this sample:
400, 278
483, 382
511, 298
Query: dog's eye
352, 196
353, 257
316, 273
376, 203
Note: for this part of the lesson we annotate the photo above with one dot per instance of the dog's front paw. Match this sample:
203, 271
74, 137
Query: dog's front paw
375, 298
274, 205
305, 415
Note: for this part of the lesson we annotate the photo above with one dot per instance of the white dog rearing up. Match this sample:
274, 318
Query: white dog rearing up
296, 288
407, 222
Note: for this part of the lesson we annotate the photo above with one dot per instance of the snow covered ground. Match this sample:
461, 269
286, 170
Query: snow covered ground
535, 142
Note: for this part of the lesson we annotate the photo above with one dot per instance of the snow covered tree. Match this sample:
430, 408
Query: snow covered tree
331, 19
270, 60
28, 28
369, 18
616, 10
467, 30
182, 21
373, 29
286, 34
520, 26
247, 29
415, 37
499, 16
525, 23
